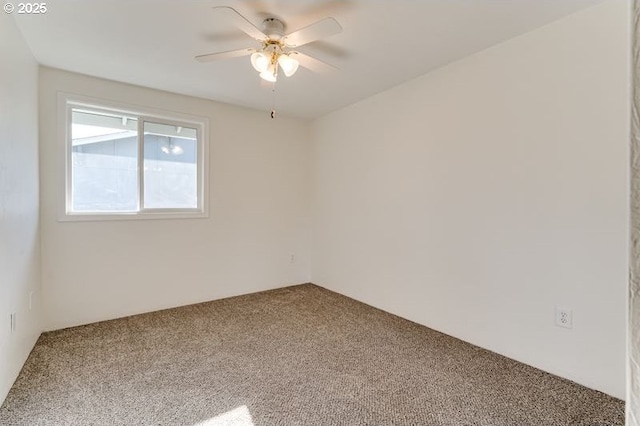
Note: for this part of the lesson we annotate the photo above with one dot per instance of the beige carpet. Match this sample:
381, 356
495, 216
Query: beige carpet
300, 355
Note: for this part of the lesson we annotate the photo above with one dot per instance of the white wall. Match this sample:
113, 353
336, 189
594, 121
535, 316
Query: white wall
633, 381
19, 233
477, 197
258, 189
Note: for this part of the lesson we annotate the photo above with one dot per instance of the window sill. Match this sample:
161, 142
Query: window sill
105, 217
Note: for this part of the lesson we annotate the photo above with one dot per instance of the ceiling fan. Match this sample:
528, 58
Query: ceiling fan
276, 49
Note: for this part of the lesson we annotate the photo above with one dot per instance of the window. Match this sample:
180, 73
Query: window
124, 163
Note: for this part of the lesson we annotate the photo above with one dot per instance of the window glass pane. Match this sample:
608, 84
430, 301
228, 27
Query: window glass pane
170, 171
104, 162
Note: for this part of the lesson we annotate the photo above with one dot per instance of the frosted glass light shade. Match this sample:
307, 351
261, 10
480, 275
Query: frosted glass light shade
288, 65
266, 75
260, 61
270, 73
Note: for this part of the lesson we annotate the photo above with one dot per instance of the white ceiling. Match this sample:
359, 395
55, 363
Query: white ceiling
152, 43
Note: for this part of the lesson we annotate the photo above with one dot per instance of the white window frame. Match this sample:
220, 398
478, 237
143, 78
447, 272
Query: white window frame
67, 102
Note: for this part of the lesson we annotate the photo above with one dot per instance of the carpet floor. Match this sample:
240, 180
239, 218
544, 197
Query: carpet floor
299, 355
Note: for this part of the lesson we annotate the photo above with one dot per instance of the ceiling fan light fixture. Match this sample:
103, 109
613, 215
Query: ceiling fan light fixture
288, 64
270, 74
260, 61
275, 51
172, 149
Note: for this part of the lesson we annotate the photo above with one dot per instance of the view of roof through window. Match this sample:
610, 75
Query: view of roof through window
105, 163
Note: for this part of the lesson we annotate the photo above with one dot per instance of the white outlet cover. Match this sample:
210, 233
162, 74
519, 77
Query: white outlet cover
564, 317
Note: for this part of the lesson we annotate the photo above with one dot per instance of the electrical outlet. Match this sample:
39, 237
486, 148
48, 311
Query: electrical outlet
564, 317
13, 322
292, 258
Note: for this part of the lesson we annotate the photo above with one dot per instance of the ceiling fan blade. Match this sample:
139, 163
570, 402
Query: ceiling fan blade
321, 29
224, 55
312, 63
241, 22
326, 48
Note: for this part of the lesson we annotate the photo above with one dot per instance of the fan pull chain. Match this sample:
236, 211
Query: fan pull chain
273, 101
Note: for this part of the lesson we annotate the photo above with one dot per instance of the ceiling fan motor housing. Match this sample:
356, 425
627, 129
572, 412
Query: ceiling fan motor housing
273, 28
